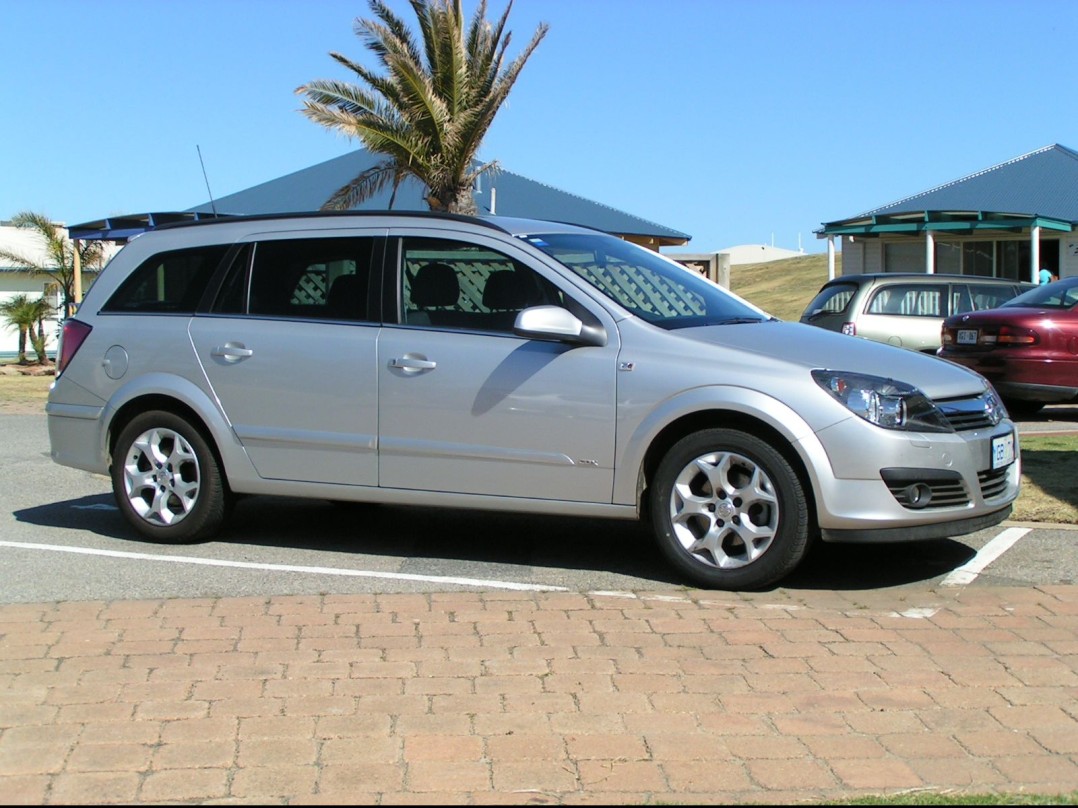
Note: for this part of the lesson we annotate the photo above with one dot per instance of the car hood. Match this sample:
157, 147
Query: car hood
809, 347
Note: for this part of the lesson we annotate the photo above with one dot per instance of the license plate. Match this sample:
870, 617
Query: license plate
1002, 451
967, 336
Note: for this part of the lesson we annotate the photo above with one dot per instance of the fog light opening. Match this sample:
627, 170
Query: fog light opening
918, 495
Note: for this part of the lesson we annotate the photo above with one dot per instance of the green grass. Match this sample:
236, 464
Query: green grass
936, 798
782, 288
1049, 480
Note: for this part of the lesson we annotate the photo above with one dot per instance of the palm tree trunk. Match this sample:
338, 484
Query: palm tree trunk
22, 346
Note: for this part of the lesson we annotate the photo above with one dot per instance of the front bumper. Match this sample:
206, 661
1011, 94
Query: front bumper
857, 503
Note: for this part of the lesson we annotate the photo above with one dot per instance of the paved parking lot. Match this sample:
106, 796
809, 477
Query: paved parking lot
518, 697
454, 658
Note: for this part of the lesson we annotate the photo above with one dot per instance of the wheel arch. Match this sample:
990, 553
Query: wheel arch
177, 396
725, 419
745, 410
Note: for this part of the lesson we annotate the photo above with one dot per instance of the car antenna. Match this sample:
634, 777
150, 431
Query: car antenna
213, 206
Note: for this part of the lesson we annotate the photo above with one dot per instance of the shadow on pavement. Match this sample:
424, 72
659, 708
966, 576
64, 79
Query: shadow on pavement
423, 537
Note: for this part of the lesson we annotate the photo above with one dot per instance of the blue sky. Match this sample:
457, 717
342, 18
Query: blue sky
736, 121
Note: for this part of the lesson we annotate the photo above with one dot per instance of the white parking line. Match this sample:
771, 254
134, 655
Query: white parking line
213, 562
969, 571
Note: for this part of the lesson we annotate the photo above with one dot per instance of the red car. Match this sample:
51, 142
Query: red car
1027, 347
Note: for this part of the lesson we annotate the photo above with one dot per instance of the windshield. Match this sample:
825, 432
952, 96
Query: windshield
1058, 295
654, 288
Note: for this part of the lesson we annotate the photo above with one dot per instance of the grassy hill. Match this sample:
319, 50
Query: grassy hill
783, 288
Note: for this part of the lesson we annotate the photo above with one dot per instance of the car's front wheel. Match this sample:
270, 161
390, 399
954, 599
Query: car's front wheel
729, 511
166, 480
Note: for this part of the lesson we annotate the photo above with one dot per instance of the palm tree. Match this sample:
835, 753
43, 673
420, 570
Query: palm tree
26, 315
429, 112
60, 251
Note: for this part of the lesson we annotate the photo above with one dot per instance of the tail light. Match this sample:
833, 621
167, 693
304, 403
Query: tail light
71, 338
849, 328
1009, 335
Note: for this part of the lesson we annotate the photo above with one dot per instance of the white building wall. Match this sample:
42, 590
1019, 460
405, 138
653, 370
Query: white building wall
1068, 255
28, 244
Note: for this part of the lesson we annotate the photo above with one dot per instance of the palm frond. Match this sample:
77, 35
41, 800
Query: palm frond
430, 108
364, 186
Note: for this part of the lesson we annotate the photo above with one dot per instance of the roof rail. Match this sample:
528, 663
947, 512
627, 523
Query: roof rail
124, 228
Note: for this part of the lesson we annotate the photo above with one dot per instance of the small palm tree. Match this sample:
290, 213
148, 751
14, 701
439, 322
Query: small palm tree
429, 112
61, 254
27, 315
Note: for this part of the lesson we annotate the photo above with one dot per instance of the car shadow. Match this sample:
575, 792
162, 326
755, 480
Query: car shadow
430, 539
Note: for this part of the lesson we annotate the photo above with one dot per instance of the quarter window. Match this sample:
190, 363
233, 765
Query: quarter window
169, 282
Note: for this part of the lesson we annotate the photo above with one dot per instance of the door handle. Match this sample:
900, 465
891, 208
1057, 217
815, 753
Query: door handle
232, 352
413, 363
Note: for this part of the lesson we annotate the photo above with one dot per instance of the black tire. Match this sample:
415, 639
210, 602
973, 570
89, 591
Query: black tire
1022, 409
747, 529
167, 481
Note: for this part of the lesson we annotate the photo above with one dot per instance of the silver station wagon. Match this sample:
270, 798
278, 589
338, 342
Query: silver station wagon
513, 365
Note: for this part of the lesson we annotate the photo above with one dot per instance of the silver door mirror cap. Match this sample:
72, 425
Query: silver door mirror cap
557, 324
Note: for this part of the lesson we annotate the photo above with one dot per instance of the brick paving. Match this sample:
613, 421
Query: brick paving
683, 697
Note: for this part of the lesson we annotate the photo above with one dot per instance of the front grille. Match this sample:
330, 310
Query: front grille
993, 482
965, 414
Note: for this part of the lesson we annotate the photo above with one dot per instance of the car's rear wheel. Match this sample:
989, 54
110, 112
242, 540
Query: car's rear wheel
729, 511
167, 481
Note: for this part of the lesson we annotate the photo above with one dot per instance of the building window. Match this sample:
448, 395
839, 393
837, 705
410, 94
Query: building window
904, 256
948, 258
977, 258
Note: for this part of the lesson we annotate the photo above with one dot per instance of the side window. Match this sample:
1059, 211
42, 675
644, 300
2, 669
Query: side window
318, 278
908, 300
170, 282
985, 296
961, 302
454, 284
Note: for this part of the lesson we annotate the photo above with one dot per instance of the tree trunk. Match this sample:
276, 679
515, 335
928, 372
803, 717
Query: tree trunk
22, 345
37, 340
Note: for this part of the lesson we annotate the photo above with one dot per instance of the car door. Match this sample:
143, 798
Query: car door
289, 350
465, 406
908, 315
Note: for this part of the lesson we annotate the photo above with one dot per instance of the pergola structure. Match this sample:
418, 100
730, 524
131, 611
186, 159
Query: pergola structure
1028, 196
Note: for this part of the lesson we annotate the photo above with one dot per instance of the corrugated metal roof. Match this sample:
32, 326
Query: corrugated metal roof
1041, 183
309, 188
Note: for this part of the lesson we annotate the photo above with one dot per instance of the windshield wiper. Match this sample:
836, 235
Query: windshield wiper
742, 320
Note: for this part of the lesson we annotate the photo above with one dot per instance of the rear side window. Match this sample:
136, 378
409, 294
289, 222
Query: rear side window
833, 299
169, 282
985, 296
315, 278
909, 300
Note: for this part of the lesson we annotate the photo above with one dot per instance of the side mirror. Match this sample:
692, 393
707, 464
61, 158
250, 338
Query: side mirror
553, 323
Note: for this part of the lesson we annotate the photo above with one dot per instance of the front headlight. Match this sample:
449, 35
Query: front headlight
883, 402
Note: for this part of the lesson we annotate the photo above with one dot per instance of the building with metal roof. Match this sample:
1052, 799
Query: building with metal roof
1007, 221
502, 193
